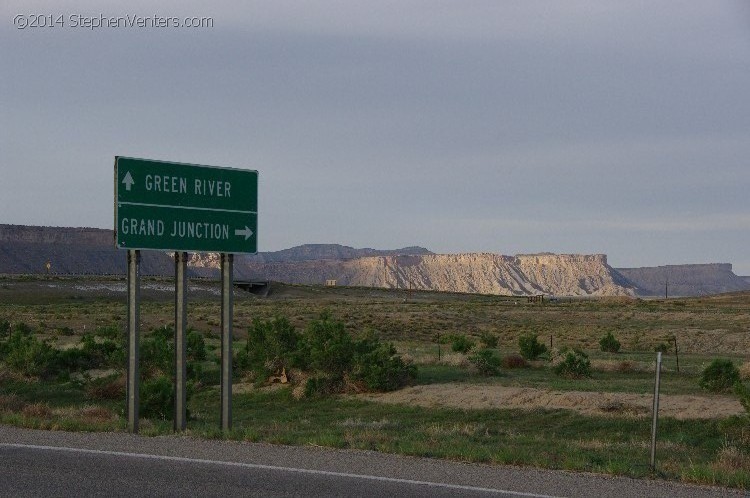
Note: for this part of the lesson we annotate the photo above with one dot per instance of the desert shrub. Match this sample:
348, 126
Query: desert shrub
4, 329
157, 354
488, 340
328, 359
195, 346
272, 345
377, 365
328, 348
575, 364
461, 344
486, 361
108, 332
65, 331
530, 347
22, 328
27, 355
743, 393
719, 376
662, 348
609, 344
514, 361
156, 398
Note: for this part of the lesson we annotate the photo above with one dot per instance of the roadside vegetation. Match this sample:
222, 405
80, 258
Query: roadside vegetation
303, 359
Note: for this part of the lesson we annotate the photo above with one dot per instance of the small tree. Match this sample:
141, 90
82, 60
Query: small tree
609, 344
530, 347
486, 361
743, 393
462, 344
719, 376
575, 365
488, 340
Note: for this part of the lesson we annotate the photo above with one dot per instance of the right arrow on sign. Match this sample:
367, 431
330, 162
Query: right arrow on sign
246, 232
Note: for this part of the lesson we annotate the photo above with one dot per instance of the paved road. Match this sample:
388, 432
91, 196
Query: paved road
41, 463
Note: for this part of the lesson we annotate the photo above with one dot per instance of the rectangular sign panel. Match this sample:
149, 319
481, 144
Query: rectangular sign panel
185, 207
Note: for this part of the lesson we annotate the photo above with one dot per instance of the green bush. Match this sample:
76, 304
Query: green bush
486, 361
157, 398
109, 332
27, 355
272, 345
719, 376
530, 347
661, 348
488, 340
23, 329
328, 348
743, 393
4, 329
195, 345
609, 344
461, 344
575, 365
378, 367
157, 354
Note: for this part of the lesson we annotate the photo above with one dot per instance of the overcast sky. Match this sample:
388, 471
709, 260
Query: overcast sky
463, 126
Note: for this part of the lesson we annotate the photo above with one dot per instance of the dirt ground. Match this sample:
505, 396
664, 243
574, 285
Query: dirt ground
587, 403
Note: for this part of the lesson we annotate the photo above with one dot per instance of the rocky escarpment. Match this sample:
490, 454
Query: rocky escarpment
685, 280
558, 274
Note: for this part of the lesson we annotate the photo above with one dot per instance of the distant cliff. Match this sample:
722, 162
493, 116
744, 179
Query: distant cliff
685, 280
486, 273
26, 250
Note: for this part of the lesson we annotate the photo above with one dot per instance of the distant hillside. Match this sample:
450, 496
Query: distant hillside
685, 280
26, 250
309, 252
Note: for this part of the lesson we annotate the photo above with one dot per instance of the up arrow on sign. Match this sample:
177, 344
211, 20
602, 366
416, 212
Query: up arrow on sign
128, 181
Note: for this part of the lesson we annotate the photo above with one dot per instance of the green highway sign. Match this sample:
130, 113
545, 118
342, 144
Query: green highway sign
185, 207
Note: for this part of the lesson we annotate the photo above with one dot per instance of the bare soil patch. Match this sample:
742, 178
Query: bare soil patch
477, 397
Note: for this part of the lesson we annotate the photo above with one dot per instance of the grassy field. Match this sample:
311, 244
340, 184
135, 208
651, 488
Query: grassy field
705, 450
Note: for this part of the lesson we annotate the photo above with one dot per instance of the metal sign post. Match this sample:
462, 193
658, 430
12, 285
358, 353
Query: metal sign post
227, 305
180, 346
655, 419
134, 301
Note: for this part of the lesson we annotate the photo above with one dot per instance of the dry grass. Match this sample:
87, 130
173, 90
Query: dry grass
95, 414
745, 371
731, 458
37, 410
514, 361
108, 389
622, 366
11, 403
